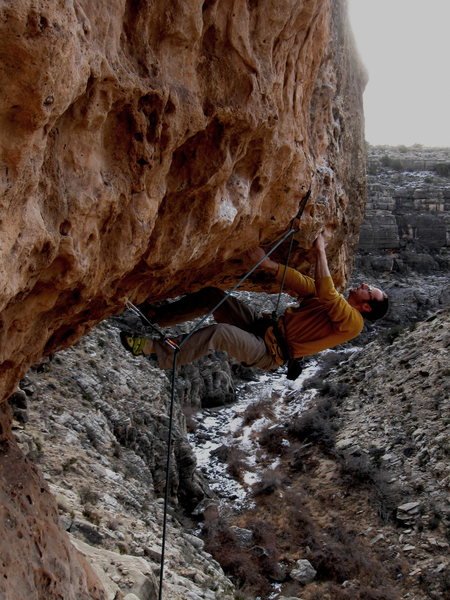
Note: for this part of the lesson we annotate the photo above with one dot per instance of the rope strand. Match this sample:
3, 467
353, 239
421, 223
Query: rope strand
166, 493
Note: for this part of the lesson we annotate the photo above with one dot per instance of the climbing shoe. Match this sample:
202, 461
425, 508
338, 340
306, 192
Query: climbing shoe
133, 343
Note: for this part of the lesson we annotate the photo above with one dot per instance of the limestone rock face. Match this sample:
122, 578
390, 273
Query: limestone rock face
146, 145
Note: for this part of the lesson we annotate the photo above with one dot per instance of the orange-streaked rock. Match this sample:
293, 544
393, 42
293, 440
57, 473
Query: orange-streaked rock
145, 146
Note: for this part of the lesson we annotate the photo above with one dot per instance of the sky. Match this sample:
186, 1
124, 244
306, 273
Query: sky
405, 46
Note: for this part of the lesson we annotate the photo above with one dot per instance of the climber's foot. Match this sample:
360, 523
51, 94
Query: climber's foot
135, 344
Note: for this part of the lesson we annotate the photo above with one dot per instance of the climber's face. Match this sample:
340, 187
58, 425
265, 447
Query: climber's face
359, 296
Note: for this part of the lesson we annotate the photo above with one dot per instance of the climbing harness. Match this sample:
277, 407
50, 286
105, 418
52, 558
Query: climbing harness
177, 347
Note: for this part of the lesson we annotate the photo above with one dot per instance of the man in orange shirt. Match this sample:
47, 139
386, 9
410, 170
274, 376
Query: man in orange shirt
322, 319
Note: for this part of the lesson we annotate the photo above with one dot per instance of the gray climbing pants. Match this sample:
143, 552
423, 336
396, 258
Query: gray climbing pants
231, 333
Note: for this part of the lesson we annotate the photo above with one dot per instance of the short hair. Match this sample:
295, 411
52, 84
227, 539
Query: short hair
378, 308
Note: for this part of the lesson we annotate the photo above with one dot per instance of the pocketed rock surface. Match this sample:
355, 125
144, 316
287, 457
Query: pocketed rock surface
146, 146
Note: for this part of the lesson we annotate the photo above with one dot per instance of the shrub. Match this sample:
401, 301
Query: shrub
311, 426
385, 498
271, 480
92, 515
265, 548
297, 455
239, 563
383, 593
272, 439
256, 410
331, 591
393, 333
442, 169
343, 557
264, 533
315, 382
376, 453
435, 519
337, 391
88, 496
362, 471
236, 464
359, 467
302, 527
333, 390
330, 360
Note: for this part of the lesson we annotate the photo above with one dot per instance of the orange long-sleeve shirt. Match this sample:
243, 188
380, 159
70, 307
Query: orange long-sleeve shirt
323, 318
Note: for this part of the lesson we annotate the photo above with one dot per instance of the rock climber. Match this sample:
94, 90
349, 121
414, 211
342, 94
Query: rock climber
322, 319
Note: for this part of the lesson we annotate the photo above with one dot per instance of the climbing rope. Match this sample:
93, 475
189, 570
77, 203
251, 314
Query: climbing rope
177, 347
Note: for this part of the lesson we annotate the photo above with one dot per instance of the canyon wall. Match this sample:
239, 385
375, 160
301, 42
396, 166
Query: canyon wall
36, 560
405, 237
143, 148
408, 208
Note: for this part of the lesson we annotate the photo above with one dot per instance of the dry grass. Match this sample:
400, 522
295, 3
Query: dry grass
249, 566
362, 470
271, 480
256, 410
236, 463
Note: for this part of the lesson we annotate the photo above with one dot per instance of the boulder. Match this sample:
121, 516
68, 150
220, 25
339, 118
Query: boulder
119, 572
303, 572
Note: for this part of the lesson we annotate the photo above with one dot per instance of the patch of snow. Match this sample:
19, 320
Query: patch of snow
224, 426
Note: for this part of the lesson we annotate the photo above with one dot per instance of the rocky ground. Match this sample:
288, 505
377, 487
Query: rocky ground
360, 490
397, 415
357, 486
404, 240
